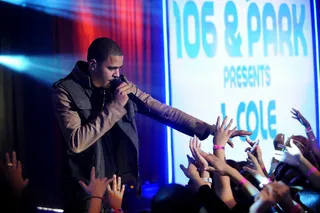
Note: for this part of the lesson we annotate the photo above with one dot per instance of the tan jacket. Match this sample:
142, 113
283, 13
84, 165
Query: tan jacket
80, 137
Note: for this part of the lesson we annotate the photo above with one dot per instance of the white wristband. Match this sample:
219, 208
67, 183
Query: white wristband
209, 180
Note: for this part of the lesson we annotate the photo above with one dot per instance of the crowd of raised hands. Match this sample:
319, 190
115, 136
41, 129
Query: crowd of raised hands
99, 190
292, 184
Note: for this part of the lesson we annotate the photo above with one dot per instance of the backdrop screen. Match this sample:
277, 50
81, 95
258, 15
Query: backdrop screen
250, 60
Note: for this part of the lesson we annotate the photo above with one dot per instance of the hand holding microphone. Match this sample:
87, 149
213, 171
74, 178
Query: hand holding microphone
123, 92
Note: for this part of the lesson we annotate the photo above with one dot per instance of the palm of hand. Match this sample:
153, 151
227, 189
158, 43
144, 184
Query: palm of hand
292, 155
14, 176
191, 171
195, 148
98, 187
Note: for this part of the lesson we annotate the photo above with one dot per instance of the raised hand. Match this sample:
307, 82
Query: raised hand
13, 173
222, 132
195, 147
291, 156
256, 171
97, 186
298, 116
263, 201
191, 171
115, 194
217, 165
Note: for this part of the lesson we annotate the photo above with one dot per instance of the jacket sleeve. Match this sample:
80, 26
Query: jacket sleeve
173, 117
78, 136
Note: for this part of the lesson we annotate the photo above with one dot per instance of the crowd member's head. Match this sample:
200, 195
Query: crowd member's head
174, 198
278, 141
105, 58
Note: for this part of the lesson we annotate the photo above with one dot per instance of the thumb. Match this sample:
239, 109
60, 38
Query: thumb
83, 185
210, 169
184, 169
230, 143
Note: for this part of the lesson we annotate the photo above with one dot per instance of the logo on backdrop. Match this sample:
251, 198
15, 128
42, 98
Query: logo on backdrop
281, 29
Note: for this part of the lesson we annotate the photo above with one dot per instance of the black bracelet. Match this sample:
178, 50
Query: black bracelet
96, 197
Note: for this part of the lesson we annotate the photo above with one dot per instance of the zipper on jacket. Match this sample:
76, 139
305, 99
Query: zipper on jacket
103, 98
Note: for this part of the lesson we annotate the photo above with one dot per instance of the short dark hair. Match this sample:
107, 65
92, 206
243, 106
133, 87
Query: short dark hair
103, 47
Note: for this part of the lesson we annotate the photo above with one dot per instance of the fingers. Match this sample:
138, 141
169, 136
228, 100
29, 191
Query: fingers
229, 125
210, 169
123, 189
123, 84
124, 90
93, 174
210, 158
241, 133
191, 146
108, 185
14, 160
232, 131
279, 155
197, 153
230, 143
8, 161
184, 169
218, 123
253, 158
190, 160
250, 170
119, 184
83, 185
114, 183
109, 181
196, 142
224, 122
19, 166
292, 145
249, 141
247, 149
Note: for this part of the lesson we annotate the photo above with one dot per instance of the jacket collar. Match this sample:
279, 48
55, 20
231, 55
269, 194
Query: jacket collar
81, 74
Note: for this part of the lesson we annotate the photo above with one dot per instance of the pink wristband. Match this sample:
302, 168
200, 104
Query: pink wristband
216, 147
241, 183
308, 129
311, 171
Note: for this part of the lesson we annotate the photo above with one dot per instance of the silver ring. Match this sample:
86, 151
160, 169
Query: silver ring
10, 165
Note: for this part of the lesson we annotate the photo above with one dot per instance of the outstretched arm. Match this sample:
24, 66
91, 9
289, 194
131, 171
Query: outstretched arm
176, 118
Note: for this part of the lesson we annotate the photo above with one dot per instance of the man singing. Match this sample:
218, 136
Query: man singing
98, 124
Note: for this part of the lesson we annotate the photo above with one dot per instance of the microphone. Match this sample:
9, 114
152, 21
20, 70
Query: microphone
117, 81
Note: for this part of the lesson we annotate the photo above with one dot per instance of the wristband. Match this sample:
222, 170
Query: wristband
311, 171
209, 180
242, 182
308, 129
96, 197
216, 147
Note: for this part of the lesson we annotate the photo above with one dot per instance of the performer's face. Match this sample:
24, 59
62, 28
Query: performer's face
107, 71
